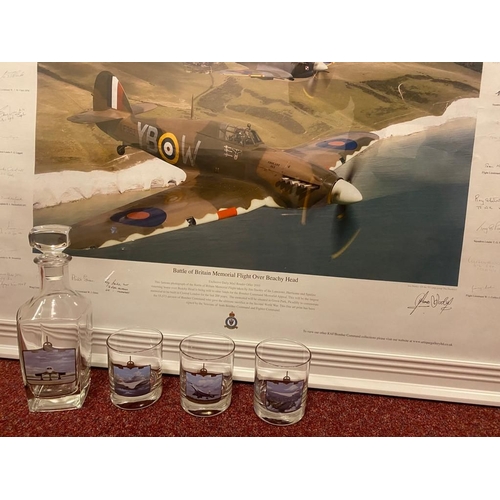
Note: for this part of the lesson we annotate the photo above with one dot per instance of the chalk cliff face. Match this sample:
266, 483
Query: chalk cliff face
350, 96
138, 172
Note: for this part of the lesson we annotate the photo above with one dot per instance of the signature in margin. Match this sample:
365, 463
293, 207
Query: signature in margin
434, 301
6, 114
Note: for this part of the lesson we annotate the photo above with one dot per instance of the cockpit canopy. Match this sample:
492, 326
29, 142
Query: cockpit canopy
239, 135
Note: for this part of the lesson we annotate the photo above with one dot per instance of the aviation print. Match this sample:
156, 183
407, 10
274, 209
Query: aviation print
284, 396
333, 169
288, 178
131, 380
49, 365
204, 387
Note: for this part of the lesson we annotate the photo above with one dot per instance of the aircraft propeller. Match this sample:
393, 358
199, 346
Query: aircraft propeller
344, 232
319, 82
345, 229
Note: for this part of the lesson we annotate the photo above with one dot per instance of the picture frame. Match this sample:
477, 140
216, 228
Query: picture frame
402, 304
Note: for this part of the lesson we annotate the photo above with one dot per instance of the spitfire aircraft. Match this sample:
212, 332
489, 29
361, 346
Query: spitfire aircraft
279, 70
229, 170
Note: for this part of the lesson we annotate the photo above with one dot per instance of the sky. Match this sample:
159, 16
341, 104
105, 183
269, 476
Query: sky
60, 360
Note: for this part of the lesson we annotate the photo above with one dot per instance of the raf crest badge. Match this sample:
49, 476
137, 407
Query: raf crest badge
231, 321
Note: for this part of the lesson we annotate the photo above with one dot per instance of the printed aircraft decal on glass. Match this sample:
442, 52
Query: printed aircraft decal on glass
229, 170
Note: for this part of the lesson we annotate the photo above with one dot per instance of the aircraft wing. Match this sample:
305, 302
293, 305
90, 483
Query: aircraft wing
333, 152
262, 71
98, 116
198, 200
142, 107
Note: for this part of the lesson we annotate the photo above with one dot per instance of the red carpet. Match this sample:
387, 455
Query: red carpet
329, 413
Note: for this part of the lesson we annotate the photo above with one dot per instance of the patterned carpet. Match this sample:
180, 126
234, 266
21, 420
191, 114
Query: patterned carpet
328, 414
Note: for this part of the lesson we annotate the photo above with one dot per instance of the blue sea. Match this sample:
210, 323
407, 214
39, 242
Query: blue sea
408, 228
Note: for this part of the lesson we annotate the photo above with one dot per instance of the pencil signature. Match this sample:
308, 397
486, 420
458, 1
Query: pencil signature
434, 301
12, 74
6, 114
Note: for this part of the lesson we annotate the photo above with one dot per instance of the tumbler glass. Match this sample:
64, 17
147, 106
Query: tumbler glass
281, 381
206, 373
135, 367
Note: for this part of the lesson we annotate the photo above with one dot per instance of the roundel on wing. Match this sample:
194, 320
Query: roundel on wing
339, 144
168, 147
142, 217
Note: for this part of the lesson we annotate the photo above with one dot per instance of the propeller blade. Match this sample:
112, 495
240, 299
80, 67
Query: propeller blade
353, 170
345, 230
341, 211
319, 82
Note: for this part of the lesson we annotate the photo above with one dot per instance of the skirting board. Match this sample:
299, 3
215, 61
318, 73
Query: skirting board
340, 370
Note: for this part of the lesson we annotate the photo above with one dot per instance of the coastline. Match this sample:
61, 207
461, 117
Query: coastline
58, 188
462, 108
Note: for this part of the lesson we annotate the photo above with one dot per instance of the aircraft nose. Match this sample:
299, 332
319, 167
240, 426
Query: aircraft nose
344, 193
320, 66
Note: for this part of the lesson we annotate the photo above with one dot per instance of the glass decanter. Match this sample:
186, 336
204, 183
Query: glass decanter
54, 329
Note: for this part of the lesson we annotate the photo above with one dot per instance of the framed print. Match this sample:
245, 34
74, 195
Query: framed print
349, 206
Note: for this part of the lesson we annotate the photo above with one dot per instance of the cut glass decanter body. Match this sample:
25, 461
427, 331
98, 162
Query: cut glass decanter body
54, 329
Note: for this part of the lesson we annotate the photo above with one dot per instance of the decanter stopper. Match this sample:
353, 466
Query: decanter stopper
50, 239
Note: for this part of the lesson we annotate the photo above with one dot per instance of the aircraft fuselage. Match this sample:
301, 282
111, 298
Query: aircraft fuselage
227, 151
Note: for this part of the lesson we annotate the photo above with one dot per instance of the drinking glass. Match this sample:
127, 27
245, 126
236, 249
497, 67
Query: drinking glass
135, 367
206, 373
281, 381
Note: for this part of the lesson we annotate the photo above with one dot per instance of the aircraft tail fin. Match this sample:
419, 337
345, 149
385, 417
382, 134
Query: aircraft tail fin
109, 94
110, 102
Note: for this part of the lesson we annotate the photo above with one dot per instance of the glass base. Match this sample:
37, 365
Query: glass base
61, 403
205, 410
275, 418
138, 402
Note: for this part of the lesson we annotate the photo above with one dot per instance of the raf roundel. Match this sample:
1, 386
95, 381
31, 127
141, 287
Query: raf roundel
142, 217
339, 144
168, 147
